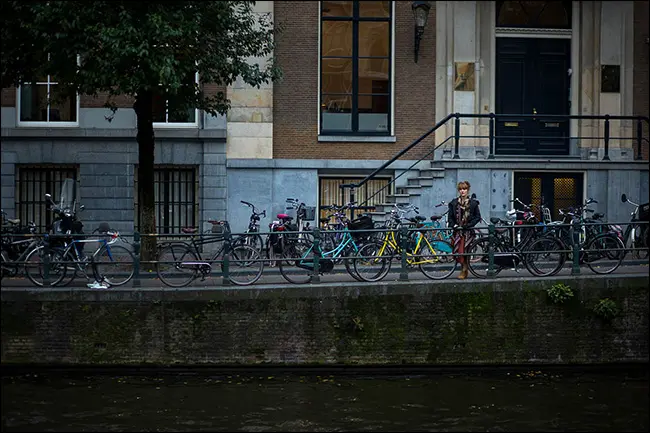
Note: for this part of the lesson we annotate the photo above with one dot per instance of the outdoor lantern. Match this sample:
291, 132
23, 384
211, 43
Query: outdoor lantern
420, 16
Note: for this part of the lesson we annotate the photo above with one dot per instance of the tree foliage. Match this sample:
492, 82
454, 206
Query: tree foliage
126, 47
139, 48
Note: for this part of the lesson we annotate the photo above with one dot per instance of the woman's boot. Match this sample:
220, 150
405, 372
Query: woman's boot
463, 272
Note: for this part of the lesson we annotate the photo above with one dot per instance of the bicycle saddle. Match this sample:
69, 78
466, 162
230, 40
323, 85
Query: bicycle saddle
14, 221
324, 220
189, 230
495, 220
284, 217
436, 217
419, 218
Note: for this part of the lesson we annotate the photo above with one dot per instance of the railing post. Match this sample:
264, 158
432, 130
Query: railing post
46, 261
490, 270
639, 138
135, 282
456, 136
226, 256
606, 155
316, 250
491, 129
352, 201
403, 242
575, 244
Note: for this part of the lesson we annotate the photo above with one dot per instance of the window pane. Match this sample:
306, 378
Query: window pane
373, 76
554, 15
65, 111
373, 39
33, 103
337, 76
373, 113
374, 9
337, 9
336, 111
187, 115
512, 14
337, 38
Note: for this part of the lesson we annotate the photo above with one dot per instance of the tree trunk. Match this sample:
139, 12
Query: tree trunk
143, 107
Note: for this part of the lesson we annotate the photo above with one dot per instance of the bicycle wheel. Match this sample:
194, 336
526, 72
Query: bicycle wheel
113, 265
439, 263
478, 262
245, 265
371, 264
297, 263
544, 257
170, 267
598, 255
35, 267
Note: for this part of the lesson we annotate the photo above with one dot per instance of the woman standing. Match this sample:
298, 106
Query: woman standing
464, 214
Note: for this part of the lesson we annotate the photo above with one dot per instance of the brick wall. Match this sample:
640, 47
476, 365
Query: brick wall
641, 69
295, 98
512, 322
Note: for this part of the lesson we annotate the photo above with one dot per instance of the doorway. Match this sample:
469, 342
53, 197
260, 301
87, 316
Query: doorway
555, 190
532, 77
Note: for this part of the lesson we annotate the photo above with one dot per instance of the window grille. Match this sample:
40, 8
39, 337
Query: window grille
32, 183
175, 192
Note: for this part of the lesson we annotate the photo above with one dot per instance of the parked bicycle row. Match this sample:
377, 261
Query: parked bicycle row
366, 250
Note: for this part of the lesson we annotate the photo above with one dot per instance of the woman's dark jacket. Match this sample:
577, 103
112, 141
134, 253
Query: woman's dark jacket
474, 213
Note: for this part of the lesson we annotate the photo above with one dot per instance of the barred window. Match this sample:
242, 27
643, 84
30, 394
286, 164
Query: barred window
175, 192
371, 193
32, 183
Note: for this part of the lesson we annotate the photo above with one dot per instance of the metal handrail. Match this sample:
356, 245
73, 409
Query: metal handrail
492, 136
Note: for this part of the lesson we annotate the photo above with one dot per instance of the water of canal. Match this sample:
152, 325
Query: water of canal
525, 400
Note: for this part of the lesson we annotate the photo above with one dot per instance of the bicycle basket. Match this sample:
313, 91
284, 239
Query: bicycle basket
218, 229
362, 223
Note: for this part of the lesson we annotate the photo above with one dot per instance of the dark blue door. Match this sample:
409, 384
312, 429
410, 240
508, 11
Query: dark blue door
532, 78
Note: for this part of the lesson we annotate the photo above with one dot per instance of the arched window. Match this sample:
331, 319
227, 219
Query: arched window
534, 14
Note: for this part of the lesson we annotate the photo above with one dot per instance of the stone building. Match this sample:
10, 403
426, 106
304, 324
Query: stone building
361, 84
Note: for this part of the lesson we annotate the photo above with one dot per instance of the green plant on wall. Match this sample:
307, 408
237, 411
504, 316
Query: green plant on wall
559, 292
606, 309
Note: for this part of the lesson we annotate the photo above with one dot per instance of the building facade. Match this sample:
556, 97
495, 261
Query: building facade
355, 93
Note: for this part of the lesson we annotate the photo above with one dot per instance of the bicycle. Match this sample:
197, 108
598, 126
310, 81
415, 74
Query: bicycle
111, 263
593, 242
636, 233
542, 256
252, 238
298, 262
28, 254
180, 262
434, 259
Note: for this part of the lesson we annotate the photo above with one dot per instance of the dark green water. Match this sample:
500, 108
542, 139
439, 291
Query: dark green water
534, 400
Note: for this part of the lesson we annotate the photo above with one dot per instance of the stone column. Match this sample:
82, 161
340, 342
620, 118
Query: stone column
250, 119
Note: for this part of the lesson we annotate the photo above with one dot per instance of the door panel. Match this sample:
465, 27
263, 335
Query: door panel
532, 77
555, 190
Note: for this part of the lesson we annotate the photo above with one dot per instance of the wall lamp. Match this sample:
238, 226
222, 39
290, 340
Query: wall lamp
420, 15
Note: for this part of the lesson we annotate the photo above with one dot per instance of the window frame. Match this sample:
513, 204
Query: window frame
172, 125
356, 19
45, 123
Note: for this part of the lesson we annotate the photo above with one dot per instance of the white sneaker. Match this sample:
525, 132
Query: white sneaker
97, 285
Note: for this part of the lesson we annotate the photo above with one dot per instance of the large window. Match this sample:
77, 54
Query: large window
167, 110
175, 192
372, 193
32, 183
37, 106
355, 85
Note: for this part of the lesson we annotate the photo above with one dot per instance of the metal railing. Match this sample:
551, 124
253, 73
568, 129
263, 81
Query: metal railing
493, 137
633, 255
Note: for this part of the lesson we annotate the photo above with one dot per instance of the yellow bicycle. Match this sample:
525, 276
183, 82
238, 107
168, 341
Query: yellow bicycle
433, 257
